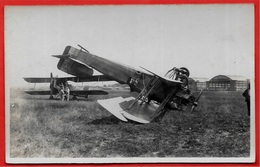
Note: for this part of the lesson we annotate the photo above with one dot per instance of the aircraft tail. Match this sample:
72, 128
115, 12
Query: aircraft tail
72, 66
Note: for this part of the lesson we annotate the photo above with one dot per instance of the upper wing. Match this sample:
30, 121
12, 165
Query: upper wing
38, 80
73, 79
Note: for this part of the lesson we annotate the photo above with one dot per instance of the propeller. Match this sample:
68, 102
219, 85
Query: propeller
195, 103
185, 70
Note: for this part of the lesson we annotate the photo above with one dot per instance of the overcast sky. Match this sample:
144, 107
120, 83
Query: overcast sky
207, 39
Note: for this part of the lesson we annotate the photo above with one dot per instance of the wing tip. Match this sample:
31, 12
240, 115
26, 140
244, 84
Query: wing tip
112, 106
61, 56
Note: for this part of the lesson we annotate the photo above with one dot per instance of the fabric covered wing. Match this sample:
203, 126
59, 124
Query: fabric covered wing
94, 78
112, 105
88, 92
38, 80
72, 92
138, 113
119, 107
38, 92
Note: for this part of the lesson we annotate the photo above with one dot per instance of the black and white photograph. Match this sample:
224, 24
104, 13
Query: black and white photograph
130, 83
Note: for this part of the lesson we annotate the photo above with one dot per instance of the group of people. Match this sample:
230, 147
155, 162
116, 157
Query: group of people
64, 92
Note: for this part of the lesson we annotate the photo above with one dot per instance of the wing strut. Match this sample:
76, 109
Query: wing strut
195, 103
160, 110
144, 93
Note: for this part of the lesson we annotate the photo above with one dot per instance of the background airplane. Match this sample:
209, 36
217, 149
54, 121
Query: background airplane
82, 73
157, 94
55, 87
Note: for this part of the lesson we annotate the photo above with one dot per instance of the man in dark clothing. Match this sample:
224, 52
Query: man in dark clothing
246, 94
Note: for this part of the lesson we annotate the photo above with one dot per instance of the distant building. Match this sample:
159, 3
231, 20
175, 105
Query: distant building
192, 84
197, 83
227, 83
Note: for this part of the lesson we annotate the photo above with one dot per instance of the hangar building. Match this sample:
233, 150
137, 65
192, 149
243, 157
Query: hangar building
227, 83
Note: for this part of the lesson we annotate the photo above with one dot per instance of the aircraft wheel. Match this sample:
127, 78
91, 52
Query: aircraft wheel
74, 98
186, 71
51, 97
192, 98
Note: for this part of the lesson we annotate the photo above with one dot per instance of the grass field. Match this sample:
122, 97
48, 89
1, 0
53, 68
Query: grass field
39, 127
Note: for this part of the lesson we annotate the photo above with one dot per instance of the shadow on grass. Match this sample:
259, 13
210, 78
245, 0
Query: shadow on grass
106, 120
57, 99
110, 120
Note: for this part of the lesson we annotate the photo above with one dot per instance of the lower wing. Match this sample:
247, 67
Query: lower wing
88, 92
38, 92
94, 78
119, 107
72, 92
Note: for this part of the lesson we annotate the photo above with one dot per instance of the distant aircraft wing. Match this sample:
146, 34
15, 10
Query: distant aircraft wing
38, 80
94, 78
38, 92
72, 92
88, 92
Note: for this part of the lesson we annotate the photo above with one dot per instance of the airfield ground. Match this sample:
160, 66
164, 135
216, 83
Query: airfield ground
39, 127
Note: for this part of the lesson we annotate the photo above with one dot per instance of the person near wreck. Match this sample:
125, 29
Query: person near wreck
67, 91
62, 92
246, 94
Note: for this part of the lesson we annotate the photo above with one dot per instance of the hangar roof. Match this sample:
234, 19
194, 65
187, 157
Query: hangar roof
228, 78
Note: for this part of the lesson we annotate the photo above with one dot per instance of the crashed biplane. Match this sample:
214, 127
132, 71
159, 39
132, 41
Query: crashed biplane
157, 94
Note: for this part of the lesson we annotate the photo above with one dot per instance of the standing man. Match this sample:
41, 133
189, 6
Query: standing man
61, 92
67, 91
246, 94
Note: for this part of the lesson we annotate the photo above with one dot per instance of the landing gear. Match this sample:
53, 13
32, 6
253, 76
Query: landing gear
160, 111
160, 116
51, 97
